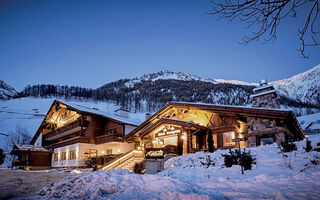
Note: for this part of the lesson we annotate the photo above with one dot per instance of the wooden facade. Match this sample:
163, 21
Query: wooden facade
31, 157
68, 127
84, 127
197, 121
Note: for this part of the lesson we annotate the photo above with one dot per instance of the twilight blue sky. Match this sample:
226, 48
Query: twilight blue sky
89, 43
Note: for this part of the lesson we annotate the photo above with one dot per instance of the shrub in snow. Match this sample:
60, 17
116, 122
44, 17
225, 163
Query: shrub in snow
244, 159
287, 146
232, 158
208, 162
318, 144
308, 147
89, 162
137, 169
316, 149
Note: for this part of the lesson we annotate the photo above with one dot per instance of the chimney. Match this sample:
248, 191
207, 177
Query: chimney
148, 115
122, 112
265, 96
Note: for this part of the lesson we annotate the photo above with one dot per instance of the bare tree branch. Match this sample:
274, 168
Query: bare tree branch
266, 15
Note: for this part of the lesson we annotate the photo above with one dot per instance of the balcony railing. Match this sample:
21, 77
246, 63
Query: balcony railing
75, 140
109, 138
66, 130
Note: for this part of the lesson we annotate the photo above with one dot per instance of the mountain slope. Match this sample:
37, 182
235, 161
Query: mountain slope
151, 91
169, 75
6, 91
304, 87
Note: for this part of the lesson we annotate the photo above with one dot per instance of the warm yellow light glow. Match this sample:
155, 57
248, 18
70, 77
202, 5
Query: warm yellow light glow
102, 152
154, 141
183, 137
119, 151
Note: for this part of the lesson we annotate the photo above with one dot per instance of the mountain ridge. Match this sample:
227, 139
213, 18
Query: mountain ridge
151, 91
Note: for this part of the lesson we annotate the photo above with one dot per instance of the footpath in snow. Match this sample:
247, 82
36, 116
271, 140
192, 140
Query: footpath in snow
276, 175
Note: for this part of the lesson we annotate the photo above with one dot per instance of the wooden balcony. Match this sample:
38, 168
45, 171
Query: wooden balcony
109, 138
75, 140
66, 130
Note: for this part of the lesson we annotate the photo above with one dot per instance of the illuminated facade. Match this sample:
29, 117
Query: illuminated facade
192, 126
75, 133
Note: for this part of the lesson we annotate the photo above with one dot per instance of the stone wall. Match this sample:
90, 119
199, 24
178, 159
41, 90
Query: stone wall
266, 101
263, 126
260, 124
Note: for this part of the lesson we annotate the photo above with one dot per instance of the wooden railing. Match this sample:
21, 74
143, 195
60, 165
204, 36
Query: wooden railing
75, 140
108, 138
121, 159
65, 128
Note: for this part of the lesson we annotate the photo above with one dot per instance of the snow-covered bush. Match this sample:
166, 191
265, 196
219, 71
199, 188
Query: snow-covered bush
287, 146
244, 159
137, 169
308, 147
208, 162
231, 158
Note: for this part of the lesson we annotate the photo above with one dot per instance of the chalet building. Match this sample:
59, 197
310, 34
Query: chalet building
31, 157
75, 133
190, 127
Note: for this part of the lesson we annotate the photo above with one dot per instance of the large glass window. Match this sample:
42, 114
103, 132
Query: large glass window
227, 139
63, 155
55, 156
72, 154
89, 153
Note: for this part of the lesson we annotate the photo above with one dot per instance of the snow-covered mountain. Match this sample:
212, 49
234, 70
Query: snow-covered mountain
304, 87
181, 76
6, 91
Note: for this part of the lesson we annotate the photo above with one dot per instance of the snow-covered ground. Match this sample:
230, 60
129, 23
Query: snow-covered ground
276, 175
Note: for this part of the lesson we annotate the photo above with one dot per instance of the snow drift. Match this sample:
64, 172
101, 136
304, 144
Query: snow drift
276, 175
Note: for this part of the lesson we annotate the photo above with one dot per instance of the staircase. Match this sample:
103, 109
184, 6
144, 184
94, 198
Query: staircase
125, 161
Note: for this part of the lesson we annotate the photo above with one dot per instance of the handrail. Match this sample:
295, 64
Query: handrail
121, 159
67, 127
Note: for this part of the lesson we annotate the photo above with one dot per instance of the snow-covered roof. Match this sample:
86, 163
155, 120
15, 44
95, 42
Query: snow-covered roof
306, 120
28, 147
230, 106
262, 93
101, 113
262, 87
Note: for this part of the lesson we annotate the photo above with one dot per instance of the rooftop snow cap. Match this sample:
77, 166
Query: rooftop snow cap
263, 82
122, 112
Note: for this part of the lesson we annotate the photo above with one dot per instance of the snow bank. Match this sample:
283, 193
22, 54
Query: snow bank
120, 184
276, 175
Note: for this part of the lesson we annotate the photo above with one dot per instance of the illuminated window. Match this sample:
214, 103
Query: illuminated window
227, 139
89, 153
109, 151
72, 154
55, 156
63, 155
194, 142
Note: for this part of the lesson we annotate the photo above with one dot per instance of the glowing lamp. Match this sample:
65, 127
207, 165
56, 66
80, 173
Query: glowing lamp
183, 137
